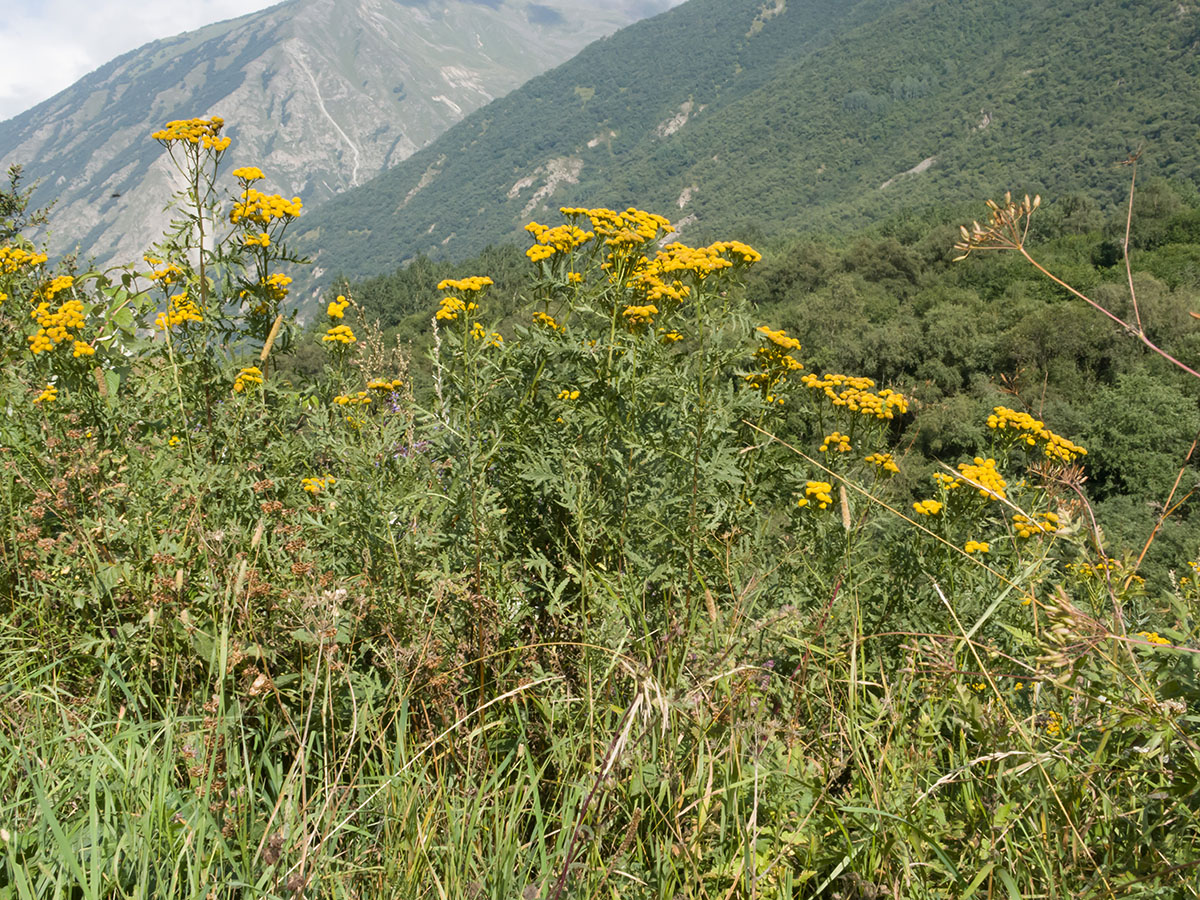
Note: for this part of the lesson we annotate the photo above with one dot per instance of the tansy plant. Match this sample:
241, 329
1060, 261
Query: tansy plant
619, 595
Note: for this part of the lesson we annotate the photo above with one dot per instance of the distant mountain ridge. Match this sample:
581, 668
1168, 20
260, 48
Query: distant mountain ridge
751, 117
321, 94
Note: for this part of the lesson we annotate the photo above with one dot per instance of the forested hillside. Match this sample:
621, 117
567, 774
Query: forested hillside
962, 337
768, 119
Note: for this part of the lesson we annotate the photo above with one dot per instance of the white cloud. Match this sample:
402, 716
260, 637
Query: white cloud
47, 45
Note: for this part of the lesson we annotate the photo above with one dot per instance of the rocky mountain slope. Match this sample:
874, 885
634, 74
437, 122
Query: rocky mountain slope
321, 94
772, 117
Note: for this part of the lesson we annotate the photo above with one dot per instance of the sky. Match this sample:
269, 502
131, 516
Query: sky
48, 45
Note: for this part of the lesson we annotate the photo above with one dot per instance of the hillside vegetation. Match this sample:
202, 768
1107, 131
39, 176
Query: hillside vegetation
963, 337
766, 119
623, 591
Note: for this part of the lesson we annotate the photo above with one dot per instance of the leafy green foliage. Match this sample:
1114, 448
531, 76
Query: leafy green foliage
629, 595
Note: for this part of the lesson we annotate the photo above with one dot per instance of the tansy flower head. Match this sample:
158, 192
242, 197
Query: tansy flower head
337, 308
838, 441
203, 132
383, 384
263, 209
1153, 637
471, 283
246, 378
339, 334
928, 507
318, 483
180, 311
13, 259
547, 321
884, 461
819, 491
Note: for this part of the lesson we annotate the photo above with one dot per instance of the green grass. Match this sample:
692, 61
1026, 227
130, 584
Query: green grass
587, 613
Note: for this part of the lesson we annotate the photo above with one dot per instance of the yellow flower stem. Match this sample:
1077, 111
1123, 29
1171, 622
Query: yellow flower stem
187, 431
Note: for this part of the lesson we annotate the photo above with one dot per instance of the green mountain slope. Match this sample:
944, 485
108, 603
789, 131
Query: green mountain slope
322, 95
743, 117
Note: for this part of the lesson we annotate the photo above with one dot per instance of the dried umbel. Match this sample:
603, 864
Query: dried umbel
1006, 228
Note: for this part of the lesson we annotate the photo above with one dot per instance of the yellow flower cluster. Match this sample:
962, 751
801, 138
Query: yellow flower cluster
885, 461
180, 311
48, 395
317, 484
647, 280
53, 325
1154, 638
247, 377
13, 259
575, 277
1027, 527
698, 261
820, 491
670, 337
337, 308
382, 384
358, 399
1103, 567
977, 547
949, 482
479, 333
630, 228
56, 285
248, 173
703, 261
982, 475
471, 283
341, 334
566, 394
855, 395
547, 320
774, 363
169, 274
928, 507
277, 286
174, 441
640, 315
562, 239
264, 208
82, 349
659, 278
1030, 431
204, 132
838, 441
256, 240
450, 307
1053, 724
780, 338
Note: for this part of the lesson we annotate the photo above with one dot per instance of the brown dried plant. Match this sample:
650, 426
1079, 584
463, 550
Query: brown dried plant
1007, 228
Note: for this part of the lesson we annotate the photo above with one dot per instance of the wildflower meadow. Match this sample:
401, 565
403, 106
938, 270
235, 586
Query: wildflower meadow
618, 597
